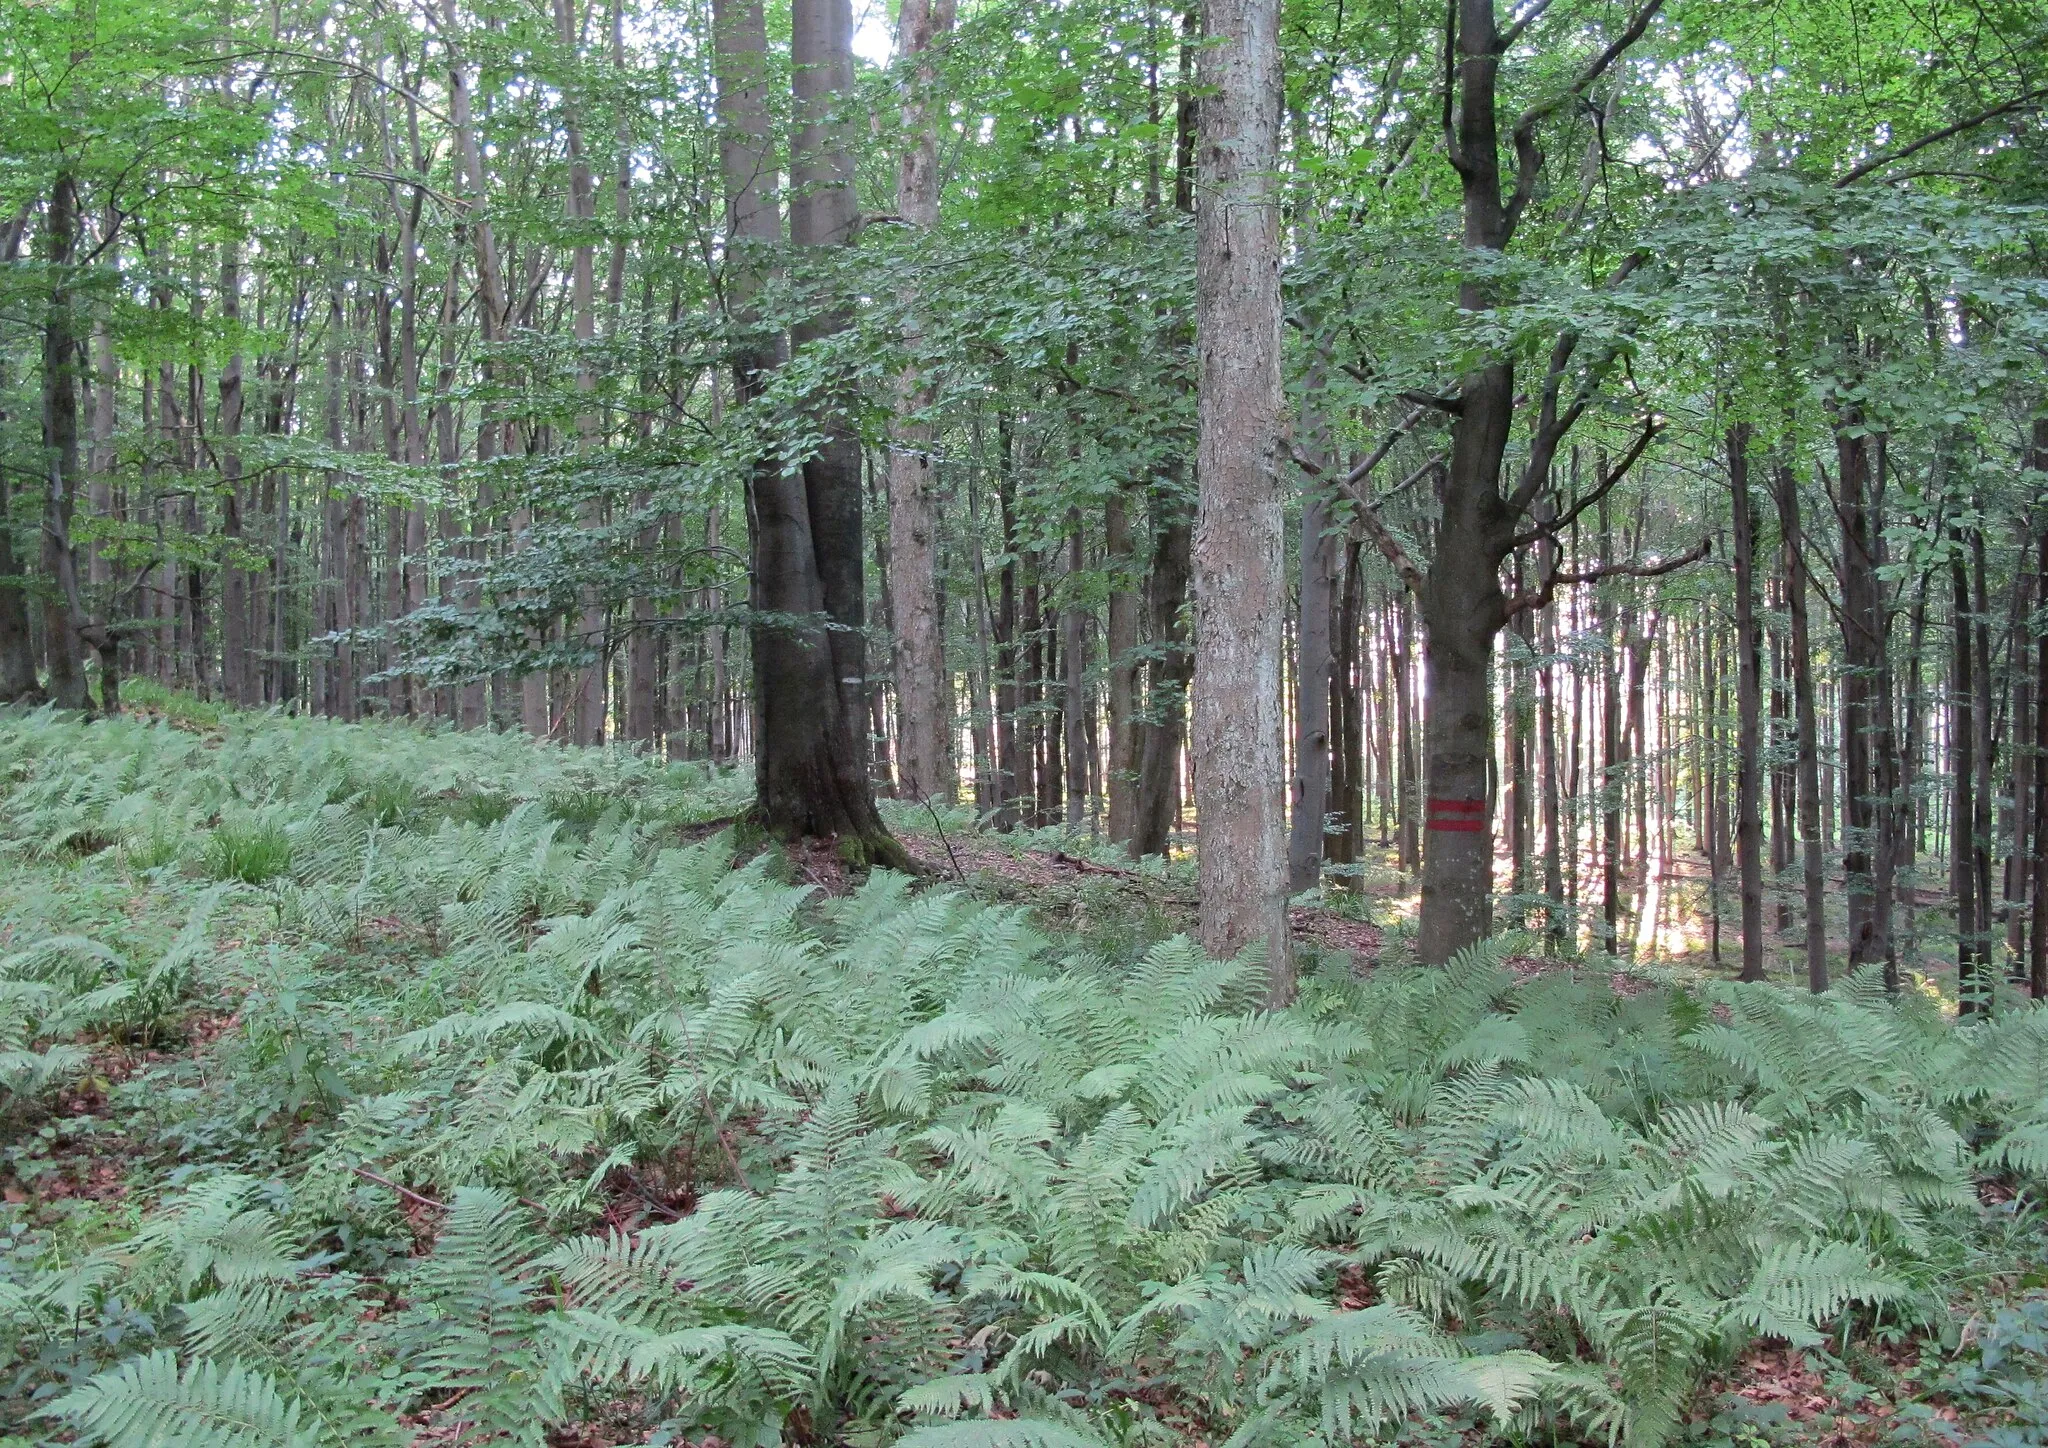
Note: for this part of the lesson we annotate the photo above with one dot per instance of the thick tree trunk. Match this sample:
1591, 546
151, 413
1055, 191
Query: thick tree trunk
1240, 575
18, 683
1866, 706
1749, 829
587, 705
1011, 750
1983, 841
1462, 606
2037, 955
809, 671
1073, 692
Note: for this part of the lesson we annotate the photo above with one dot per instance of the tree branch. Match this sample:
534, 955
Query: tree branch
1878, 162
1538, 597
1359, 474
1526, 19
1551, 528
1453, 405
1383, 537
1528, 156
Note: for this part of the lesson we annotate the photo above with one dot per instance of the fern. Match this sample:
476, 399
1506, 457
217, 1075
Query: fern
893, 1163
150, 1400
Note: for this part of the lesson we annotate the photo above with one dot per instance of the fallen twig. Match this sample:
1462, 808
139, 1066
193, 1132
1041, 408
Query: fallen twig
937, 824
426, 1201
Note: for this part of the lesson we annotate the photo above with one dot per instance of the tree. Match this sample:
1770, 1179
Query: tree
924, 765
1239, 571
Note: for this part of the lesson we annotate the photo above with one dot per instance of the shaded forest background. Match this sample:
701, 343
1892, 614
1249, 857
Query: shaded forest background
448, 361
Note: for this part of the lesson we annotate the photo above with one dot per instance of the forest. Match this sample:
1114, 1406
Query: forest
1035, 724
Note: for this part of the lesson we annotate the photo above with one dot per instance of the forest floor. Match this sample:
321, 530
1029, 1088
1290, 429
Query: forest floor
90, 1149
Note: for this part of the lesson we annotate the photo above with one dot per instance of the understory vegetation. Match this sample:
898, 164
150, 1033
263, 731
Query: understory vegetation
362, 1084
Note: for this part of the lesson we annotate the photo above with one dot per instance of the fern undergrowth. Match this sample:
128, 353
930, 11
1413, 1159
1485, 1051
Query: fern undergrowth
530, 1106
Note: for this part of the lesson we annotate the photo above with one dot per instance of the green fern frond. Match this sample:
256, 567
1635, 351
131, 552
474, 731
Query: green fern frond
147, 1402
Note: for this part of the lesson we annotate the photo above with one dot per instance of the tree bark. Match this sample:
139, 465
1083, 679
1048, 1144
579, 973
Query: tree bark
1074, 656
809, 671
1786, 488
1313, 661
1866, 703
2037, 952
1121, 643
1462, 606
1160, 733
60, 444
1749, 827
1963, 843
923, 756
1240, 575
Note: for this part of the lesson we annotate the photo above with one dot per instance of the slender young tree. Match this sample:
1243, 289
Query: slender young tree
1749, 828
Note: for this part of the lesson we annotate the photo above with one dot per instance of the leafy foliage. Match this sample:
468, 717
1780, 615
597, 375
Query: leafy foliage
568, 1117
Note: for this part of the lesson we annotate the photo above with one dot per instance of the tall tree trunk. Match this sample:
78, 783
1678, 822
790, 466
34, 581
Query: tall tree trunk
1613, 758
1963, 844
811, 774
60, 445
1866, 722
923, 734
1165, 718
1312, 683
587, 707
1983, 843
1462, 605
2020, 777
1786, 488
1555, 861
1345, 845
1074, 656
1240, 574
1011, 750
1749, 827
17, 646
1120, 643
2037, 957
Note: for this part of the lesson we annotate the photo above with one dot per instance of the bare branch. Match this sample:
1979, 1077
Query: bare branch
1552, 527
1631, 568
1442, 403
1359, 474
